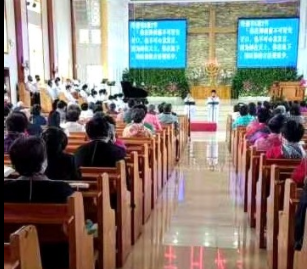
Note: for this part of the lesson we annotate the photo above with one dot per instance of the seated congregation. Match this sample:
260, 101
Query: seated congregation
268, 144
87, 178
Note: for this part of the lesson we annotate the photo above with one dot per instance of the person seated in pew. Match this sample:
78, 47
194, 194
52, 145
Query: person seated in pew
137, 128
295, 114
252, 109
146, 124
100, 151
291, 148
29, 158
112, 110
168, 117
61, 166
258, 128
280, 109
300, 173
113, 136
300, 218
152, 118
244, 119
161, 108
303, 107
16, 125
37, 118
127, 114
72, 124
274, 139
58, 114
86, 112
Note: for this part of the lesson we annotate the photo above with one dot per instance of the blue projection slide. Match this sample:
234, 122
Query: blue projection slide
268, 42
158, 44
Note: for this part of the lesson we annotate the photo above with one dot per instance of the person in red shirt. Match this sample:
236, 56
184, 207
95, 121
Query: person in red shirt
291, 148
300, 173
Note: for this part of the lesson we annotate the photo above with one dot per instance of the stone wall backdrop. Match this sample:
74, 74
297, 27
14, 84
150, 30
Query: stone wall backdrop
227, 15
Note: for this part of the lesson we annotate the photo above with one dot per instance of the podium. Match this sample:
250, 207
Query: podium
290, 91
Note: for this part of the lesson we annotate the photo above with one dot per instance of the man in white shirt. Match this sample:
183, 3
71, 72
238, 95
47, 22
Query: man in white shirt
68, 94
213, 103
52, 90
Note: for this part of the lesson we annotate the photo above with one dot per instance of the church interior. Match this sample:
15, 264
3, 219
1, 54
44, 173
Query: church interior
155, 134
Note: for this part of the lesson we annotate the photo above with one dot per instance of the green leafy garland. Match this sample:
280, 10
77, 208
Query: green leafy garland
257, 81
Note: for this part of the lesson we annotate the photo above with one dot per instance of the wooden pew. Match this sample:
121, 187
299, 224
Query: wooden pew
97, 206
153, 161
244, 165
23, 250
164, 159
253, 175
263, 191
287, 226
236, 148
229, 132
133, 170
98, 209
145, 175
300, 257
118, 187
274, 205
57, 224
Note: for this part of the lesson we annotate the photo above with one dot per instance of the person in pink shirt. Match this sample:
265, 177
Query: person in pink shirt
274, 139
152, 118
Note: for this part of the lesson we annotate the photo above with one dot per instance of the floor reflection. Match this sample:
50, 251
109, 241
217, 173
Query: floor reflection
199, 222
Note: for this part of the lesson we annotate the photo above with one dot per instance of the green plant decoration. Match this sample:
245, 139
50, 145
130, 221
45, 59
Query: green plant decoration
159, 82
258, 81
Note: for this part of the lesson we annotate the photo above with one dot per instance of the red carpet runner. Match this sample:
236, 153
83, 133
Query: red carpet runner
203, 127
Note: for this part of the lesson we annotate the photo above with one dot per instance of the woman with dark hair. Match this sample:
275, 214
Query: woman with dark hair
274, 139
252, 109
291, 148
258, 128
137, 127
16, 125
58, 114
37, 118
112, 110
295, 114
99, 152
244, 119
61, 166
29, 158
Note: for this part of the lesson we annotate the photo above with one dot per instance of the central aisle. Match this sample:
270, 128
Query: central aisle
199, 222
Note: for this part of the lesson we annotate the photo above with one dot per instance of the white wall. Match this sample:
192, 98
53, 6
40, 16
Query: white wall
10, 60
62, 34
118, 46
302, 55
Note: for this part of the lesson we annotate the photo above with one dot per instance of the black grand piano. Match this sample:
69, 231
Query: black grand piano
131, 92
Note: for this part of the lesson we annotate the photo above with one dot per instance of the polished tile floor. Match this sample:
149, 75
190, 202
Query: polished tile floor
199, 222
